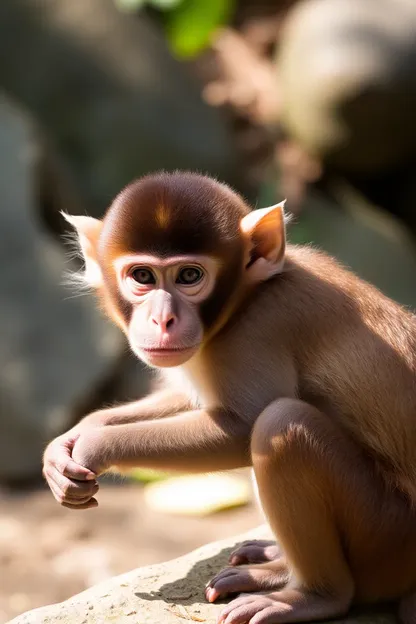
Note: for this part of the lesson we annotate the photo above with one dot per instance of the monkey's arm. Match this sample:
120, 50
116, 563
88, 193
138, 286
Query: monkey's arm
73, 485
157, 405
197, 441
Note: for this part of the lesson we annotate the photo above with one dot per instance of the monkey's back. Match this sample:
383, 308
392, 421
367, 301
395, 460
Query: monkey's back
356, 355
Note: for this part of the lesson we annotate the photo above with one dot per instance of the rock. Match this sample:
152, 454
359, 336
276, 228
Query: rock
371, 243
346, 72
167, 593
107, 91
54, 348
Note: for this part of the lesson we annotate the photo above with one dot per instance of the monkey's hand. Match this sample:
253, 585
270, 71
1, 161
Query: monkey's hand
72, 484
93, 449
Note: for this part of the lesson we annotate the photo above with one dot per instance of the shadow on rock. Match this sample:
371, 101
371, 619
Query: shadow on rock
190, 589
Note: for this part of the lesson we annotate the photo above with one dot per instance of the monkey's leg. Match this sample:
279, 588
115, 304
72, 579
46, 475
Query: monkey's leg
255, 551
307, 471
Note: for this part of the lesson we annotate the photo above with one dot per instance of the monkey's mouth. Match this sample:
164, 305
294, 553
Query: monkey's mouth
168, 351
167, 356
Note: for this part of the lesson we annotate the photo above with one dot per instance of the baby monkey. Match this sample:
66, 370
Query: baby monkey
273, 356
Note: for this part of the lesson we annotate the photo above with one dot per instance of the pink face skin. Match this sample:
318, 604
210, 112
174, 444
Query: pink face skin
165, 329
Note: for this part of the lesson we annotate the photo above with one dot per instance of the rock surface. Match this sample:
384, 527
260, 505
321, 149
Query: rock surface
54, 348
167, 593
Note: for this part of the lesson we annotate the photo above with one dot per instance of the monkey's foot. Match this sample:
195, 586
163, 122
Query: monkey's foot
255, 551
261, 577
289, 605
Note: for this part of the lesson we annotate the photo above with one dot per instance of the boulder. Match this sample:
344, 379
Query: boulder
106, 89
167, 593
55, 348
346, 74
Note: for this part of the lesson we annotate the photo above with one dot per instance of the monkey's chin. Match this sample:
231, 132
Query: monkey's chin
166, 358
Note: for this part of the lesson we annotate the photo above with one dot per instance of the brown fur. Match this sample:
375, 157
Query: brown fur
311, 380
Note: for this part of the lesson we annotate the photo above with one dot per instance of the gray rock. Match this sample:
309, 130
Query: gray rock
54, 348
114, 101
346, 69
167, 593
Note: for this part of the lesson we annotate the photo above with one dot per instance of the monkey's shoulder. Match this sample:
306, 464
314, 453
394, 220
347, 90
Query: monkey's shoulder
333, 286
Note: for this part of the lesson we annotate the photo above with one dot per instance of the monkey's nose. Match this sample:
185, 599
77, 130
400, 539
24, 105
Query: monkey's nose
164, 323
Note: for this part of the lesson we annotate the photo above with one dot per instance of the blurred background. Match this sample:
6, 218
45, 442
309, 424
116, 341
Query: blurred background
313, 100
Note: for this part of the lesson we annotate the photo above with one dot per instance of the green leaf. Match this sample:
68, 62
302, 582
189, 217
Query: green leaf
130, 6
165, 5
192, 24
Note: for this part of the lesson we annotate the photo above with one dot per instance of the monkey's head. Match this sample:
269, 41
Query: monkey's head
172, 257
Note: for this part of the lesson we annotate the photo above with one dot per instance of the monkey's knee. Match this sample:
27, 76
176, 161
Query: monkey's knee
285, 426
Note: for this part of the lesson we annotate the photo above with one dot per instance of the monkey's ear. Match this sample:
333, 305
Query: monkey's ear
88, 231
266, 234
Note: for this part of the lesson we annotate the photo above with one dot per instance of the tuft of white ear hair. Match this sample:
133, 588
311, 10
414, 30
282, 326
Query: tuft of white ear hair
287, 217
255, 216
87, 231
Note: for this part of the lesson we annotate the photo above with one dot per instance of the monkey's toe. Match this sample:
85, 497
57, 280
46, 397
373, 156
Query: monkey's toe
247, 579
281, 607
255, 551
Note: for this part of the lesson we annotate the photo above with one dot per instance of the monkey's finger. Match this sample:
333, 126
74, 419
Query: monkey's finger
89, 505
246, 543
241, 554
245, 554
251, 554
235, 611
76, 502
72, 470
267, 616
61, 495
236, 560
241, 614
224, 573
211, 594
63, 500
229, 583
254, 551
220, 588
70, 488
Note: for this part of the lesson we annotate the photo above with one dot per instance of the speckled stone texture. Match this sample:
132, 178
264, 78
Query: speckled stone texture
166, 593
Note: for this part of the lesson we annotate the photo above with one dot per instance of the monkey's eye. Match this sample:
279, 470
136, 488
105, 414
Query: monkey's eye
143, 275
189, 276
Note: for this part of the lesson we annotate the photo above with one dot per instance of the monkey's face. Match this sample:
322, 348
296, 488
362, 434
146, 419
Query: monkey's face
172, 257
164, 296
171, 252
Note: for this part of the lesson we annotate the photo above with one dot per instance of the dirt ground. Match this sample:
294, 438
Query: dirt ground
48, 553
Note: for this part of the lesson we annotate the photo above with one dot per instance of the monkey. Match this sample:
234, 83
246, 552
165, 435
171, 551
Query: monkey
271, 356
